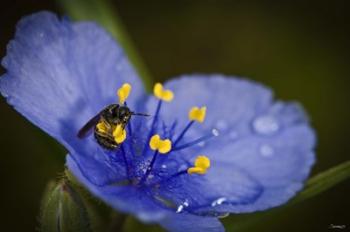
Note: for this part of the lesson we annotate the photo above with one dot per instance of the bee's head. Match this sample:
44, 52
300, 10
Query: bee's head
123, 114
119, 114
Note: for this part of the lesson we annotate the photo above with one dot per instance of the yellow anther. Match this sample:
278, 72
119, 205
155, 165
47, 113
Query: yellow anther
162, 94
123, 92
197, 114
101, 127
119, 134
156, 143
201, 165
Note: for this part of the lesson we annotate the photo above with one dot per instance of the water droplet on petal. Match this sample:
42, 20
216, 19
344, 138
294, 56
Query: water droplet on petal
221, 124
218, 201
215, 132
186, 204
266, 150
163, 166
182, 206
266, 125
179, 209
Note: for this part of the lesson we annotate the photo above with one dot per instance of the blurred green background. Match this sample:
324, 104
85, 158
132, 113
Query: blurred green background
298, 48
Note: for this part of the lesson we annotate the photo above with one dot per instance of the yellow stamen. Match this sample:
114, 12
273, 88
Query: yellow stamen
119, 134
123, 92
101, 127
162, 94
156, 143
197, 114
201, 165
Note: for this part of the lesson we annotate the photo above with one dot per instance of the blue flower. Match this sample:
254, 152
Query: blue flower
213, 145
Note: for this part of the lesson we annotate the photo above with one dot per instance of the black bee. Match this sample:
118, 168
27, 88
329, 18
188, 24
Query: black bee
111, 116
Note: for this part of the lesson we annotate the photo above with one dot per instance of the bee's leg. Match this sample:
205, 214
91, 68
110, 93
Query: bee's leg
108, 126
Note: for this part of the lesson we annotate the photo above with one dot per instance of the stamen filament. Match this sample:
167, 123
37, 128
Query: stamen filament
172, 129
156, 115
169, 178
152, 126
183, 133
213, 133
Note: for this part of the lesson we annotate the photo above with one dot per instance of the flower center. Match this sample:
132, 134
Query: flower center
165, 146
142, 165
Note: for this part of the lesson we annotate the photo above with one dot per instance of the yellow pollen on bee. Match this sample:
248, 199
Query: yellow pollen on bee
119, 134
123, 92
197, 114
161, 93
101, 127
156, 143
201, 165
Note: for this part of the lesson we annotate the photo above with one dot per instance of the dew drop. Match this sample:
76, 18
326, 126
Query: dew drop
182, 206
266, 125
218, 201
266, 150
221, 124
215, 132
179, 209
164, 166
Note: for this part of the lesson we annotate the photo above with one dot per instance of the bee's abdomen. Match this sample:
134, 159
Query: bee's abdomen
105, 141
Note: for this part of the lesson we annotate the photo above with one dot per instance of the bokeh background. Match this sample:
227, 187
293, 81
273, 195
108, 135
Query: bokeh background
299, 48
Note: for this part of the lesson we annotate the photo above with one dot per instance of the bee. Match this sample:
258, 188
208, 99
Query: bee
111, 116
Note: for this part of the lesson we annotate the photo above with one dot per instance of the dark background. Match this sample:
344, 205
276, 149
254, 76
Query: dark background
299, 48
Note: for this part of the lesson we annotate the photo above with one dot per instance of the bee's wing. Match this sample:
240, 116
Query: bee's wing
88, 127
